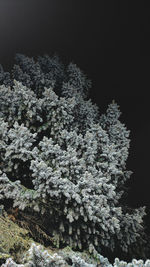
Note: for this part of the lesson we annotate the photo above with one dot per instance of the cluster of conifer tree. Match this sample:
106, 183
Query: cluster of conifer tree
64, 161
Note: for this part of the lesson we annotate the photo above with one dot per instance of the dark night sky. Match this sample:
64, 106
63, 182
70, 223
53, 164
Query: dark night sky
109, 41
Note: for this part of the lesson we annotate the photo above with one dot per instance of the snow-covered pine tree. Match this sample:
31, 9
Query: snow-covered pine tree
61, 159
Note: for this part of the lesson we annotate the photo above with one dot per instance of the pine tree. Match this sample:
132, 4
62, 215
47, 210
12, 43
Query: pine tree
62, 160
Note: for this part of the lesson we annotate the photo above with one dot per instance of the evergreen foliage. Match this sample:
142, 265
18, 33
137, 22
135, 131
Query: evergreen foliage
38, 257
63, 160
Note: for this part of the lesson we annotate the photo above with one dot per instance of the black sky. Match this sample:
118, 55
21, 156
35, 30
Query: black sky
109, 41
